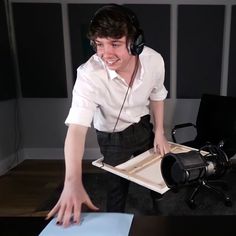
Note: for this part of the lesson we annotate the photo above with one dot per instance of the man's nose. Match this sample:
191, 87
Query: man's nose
107, 50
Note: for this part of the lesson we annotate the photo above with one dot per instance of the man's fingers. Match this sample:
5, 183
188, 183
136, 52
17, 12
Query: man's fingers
60, 215
162, 151
53, 211
77, 213
155, 148
167, 149
67, 217
91, 205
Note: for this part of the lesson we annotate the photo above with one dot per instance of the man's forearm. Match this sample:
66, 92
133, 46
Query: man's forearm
157, 108
74, 151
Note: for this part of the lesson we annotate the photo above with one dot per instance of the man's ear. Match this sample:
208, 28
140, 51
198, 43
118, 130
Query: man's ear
93, 45
128, 44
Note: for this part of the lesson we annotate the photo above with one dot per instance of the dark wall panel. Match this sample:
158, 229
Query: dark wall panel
232, 56
155, 21
200, 41
7, 75
39, 36
80, 16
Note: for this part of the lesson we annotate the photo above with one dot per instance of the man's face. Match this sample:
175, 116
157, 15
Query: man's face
114, 53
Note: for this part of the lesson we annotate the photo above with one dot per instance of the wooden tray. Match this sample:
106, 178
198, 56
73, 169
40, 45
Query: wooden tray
143, 169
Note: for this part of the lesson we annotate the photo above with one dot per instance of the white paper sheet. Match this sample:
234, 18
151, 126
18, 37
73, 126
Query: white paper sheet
93, 224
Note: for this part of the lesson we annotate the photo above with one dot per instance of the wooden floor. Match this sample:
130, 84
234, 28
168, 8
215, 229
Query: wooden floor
26, 187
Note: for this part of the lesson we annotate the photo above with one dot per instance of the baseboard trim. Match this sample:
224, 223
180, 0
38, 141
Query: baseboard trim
10, 162
42, 154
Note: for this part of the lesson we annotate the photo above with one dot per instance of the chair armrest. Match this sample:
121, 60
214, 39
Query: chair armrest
180, 126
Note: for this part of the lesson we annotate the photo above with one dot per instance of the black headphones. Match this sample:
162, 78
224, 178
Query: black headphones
137, 45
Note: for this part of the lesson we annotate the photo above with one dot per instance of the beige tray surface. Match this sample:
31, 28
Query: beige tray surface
143, 169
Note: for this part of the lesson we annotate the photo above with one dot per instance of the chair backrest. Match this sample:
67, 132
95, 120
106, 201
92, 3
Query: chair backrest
216, 121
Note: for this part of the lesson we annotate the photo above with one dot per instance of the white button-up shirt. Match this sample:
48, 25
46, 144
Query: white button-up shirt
98, 93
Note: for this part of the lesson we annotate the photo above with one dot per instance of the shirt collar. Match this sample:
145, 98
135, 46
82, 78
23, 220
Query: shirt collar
112, 74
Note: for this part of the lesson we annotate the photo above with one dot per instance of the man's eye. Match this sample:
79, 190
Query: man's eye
115, 45
99, 45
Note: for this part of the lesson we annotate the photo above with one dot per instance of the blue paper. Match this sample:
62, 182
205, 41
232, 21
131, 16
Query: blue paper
93, 224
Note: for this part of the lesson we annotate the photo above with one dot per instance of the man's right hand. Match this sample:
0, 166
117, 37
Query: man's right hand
68, 207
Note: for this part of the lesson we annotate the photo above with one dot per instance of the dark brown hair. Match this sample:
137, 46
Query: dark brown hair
114, 21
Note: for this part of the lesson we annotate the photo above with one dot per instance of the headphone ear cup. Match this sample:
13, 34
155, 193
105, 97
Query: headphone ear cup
138, 44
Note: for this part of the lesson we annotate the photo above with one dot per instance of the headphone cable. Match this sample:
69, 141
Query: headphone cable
127, 91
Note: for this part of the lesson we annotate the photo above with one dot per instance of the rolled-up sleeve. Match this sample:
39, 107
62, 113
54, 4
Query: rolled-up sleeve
80, 116
83, 104
159, 91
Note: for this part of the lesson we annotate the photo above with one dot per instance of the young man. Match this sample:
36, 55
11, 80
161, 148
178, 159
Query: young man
117, 89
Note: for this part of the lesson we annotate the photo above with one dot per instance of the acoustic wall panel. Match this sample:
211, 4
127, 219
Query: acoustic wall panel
232, 56
80, 16
40, 47
155, 22
200, 42
7, 75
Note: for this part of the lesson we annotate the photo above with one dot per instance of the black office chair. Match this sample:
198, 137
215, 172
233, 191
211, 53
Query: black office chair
215, 125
